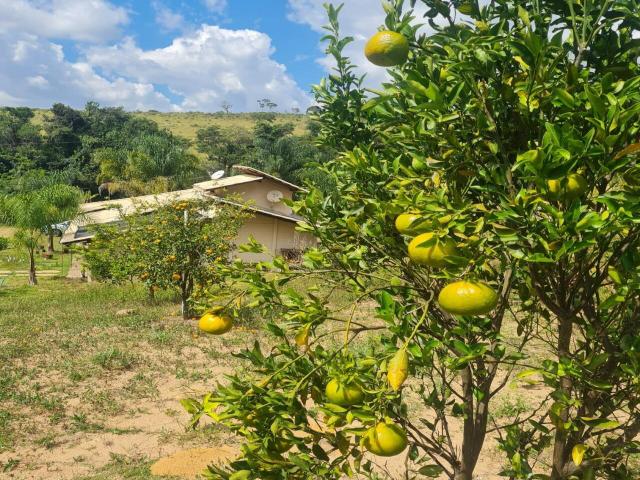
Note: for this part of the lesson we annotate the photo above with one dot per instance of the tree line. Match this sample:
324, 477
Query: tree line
109, 152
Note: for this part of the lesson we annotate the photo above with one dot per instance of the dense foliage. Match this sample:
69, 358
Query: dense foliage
113, 153
512, 132
179, 246
87, 148
271, 147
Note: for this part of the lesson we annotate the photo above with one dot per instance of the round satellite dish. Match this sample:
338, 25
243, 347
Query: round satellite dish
217, 175
275, 196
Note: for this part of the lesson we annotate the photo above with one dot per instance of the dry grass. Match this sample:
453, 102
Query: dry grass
89, 392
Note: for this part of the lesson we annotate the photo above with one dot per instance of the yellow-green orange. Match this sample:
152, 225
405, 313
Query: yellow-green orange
344, 394
398, 369
435, 255
404, 222
568, 188
386, 439
387, 49
215, 324
467, 298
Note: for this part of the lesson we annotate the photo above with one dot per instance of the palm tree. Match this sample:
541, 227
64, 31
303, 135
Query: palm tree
34, 212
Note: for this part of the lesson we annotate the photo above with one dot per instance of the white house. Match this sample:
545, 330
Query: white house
273, 223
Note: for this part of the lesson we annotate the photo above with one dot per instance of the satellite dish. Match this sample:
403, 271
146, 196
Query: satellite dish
275, 196
217, 175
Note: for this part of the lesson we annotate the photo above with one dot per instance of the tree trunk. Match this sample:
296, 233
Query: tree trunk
186, 291
473, 432
50, 248
565, 330
185, 307
32, 268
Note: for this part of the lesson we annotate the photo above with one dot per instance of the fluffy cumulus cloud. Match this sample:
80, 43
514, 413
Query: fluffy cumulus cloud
33, 71
206, 67
358, 18
83, 20
198, 70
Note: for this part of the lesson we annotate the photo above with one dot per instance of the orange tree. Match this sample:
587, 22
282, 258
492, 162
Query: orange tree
485, 198
179, 246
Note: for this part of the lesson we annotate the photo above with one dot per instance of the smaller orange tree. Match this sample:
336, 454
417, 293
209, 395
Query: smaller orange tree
179, 246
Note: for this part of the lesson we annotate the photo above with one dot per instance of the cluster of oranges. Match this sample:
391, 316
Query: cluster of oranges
385, 438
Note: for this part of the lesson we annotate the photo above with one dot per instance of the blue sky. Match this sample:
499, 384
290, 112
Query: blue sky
171, 55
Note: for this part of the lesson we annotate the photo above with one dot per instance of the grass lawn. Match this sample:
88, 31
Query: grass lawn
91, 376
16, 259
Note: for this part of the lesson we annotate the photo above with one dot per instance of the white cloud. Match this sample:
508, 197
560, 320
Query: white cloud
168, 19
34, 72
216, 6
81, 20
359, 19
199, 69
207, 66
38, 81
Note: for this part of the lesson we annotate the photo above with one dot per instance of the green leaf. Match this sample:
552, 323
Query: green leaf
432, 471
600, 423
596, 102
564, 97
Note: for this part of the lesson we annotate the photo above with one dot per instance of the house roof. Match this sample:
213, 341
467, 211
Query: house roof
227, 182
132, 203
256, 172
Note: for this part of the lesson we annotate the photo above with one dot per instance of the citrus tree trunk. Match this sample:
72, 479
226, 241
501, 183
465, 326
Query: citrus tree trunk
560, 453
32, 267
50, 248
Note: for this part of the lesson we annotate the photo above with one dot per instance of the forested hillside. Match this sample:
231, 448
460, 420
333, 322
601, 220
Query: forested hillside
110, 152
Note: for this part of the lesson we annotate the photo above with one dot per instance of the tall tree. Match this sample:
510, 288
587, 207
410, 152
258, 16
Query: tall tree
222, 148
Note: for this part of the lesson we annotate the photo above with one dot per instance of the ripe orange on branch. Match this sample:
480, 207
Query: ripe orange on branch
404, 222
216, 324
434, 255
467, 298
386, 439
387, 49
568, 188
344, 394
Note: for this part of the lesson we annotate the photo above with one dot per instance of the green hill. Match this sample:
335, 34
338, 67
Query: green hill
186, 124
